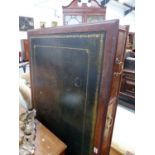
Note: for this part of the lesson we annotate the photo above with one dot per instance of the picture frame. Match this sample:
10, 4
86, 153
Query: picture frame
26, 23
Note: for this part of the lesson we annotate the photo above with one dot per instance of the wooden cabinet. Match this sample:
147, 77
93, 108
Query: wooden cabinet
76, 14
131, 41
75, 80
25, 49
127, 92
129, 82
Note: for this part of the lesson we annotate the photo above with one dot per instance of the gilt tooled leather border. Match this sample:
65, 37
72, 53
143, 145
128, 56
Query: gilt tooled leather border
100, 57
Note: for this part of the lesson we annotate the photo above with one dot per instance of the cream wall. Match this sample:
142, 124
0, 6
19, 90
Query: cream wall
45, 12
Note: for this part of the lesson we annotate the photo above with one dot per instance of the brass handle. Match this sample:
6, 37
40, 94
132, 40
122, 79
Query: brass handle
118, 73
117, 61
109, 121
120, 67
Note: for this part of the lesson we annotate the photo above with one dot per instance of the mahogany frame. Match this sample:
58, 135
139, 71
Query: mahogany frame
107, 79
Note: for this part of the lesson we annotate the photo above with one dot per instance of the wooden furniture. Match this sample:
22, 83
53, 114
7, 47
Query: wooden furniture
75, 79
19, 56
116, 148
25, 49
131, 41
127, 91
47, 143
114, 151
76, 14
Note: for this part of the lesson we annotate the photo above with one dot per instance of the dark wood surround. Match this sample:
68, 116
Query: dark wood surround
75, 79
84, 11
115, 88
